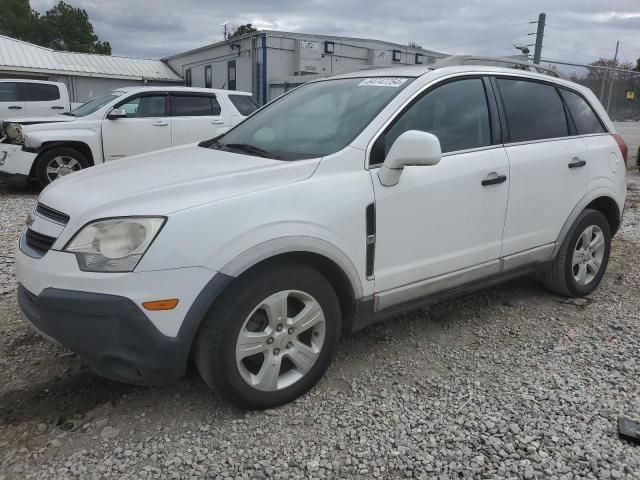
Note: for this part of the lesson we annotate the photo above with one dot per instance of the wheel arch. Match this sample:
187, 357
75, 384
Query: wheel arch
81, 147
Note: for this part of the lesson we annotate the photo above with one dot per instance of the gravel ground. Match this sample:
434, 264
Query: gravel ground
511, 382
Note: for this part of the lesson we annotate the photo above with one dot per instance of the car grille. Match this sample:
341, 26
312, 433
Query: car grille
38, 242
51, 214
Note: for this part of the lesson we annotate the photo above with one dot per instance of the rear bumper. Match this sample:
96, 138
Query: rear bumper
110, 332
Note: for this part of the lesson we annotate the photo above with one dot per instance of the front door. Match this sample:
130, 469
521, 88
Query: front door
9, 104
147, 126
447, 217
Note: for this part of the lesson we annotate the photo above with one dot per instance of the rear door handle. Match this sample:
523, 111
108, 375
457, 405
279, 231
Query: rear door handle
217, 122
57, 107
160, 123
15, 107
494, 180
577, 163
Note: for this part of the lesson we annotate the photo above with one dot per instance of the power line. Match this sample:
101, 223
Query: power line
602, 49
486, 42
591, 37
584, 55
480, 32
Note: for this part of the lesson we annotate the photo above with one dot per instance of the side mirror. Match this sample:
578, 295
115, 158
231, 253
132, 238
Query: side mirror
412, 148
117, 113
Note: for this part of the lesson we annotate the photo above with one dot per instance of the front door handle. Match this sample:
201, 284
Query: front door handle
577, 163
57, 107
15, 107
494, 180
160, 123
217, 122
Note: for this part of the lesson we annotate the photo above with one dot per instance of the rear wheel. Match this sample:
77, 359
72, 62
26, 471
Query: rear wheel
58, 162
270, 337
583, 257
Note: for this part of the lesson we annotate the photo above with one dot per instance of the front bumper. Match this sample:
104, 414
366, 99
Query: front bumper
15, 164
100, 315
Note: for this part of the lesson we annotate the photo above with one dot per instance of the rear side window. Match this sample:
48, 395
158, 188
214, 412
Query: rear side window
534, 110
455, 112
244, 104
39, 92
194, 105
584, 117
8, 92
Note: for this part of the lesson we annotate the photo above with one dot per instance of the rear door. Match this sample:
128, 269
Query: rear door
197, 117
147, 126
42, 99
546, 163
9, 104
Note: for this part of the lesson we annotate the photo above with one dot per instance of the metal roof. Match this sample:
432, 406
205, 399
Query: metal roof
16, 55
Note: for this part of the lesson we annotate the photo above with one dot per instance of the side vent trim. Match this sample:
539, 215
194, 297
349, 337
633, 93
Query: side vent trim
371, 239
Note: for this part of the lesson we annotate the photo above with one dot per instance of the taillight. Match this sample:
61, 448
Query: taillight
624, 150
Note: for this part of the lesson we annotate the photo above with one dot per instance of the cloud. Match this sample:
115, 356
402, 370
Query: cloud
578, 30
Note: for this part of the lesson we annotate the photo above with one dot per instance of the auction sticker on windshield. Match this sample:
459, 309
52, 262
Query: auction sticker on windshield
382, 82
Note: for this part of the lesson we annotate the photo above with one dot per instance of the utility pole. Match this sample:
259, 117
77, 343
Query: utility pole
615, 64
539, 34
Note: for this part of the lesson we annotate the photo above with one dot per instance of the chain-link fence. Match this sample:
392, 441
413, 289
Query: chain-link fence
618, 91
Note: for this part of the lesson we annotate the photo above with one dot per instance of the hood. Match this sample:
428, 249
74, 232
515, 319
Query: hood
165, 181
35, 120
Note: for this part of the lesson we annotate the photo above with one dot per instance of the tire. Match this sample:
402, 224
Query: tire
564, 275
66, 160
250, 306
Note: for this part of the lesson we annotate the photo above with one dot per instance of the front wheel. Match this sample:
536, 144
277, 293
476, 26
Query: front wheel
270, 337
583, 256
57, 162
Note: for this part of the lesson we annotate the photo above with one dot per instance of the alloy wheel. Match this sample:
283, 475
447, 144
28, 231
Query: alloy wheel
588, 255
60, 166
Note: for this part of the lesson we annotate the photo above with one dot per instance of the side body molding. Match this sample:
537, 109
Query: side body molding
282, 245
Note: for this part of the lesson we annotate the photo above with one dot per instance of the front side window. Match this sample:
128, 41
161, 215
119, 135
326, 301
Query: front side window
584, 117
95, 104
314, 120
534, 110
244, 104
194, 105
8, 92
455, 112
141, 106
39, 92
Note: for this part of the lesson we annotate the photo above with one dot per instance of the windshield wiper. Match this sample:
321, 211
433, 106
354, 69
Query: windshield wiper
250, 149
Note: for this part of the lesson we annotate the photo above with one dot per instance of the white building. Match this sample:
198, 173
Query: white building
86, 75
268, 63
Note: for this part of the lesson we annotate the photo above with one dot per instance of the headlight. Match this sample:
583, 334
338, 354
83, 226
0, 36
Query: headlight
14, 132
114, 245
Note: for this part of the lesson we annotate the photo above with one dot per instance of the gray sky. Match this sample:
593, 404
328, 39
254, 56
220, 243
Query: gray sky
577, 30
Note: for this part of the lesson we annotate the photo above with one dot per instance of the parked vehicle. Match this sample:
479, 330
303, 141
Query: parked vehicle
343, 202
33, 98
120, 123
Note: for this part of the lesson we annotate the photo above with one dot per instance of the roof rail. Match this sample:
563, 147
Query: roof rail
457, 60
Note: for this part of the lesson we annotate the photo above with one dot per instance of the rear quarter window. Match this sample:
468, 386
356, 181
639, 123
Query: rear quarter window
534, 110
39, 92
244, 104
586, 120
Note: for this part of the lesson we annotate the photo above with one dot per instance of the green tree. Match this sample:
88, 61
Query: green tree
17, 20
637, 67
63, 27
241, 30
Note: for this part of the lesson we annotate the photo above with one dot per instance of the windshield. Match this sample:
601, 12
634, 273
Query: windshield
95, 104
315, 120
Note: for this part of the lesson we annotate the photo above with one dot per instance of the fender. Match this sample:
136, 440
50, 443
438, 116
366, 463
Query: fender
89, 137
278, 246
582, 204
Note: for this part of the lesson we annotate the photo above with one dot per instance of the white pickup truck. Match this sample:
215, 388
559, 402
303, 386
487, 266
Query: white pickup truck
33, 98
120, 123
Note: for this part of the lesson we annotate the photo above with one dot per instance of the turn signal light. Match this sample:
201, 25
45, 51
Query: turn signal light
168, 304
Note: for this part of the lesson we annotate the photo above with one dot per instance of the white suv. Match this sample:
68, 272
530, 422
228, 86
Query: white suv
120, 123
343, 202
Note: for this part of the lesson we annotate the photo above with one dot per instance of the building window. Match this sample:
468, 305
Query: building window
396, 55
419, 58
187, 77
329, 47
208, 76
231, 74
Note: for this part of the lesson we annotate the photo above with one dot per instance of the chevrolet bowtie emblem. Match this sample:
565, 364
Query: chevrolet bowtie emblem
29, 220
